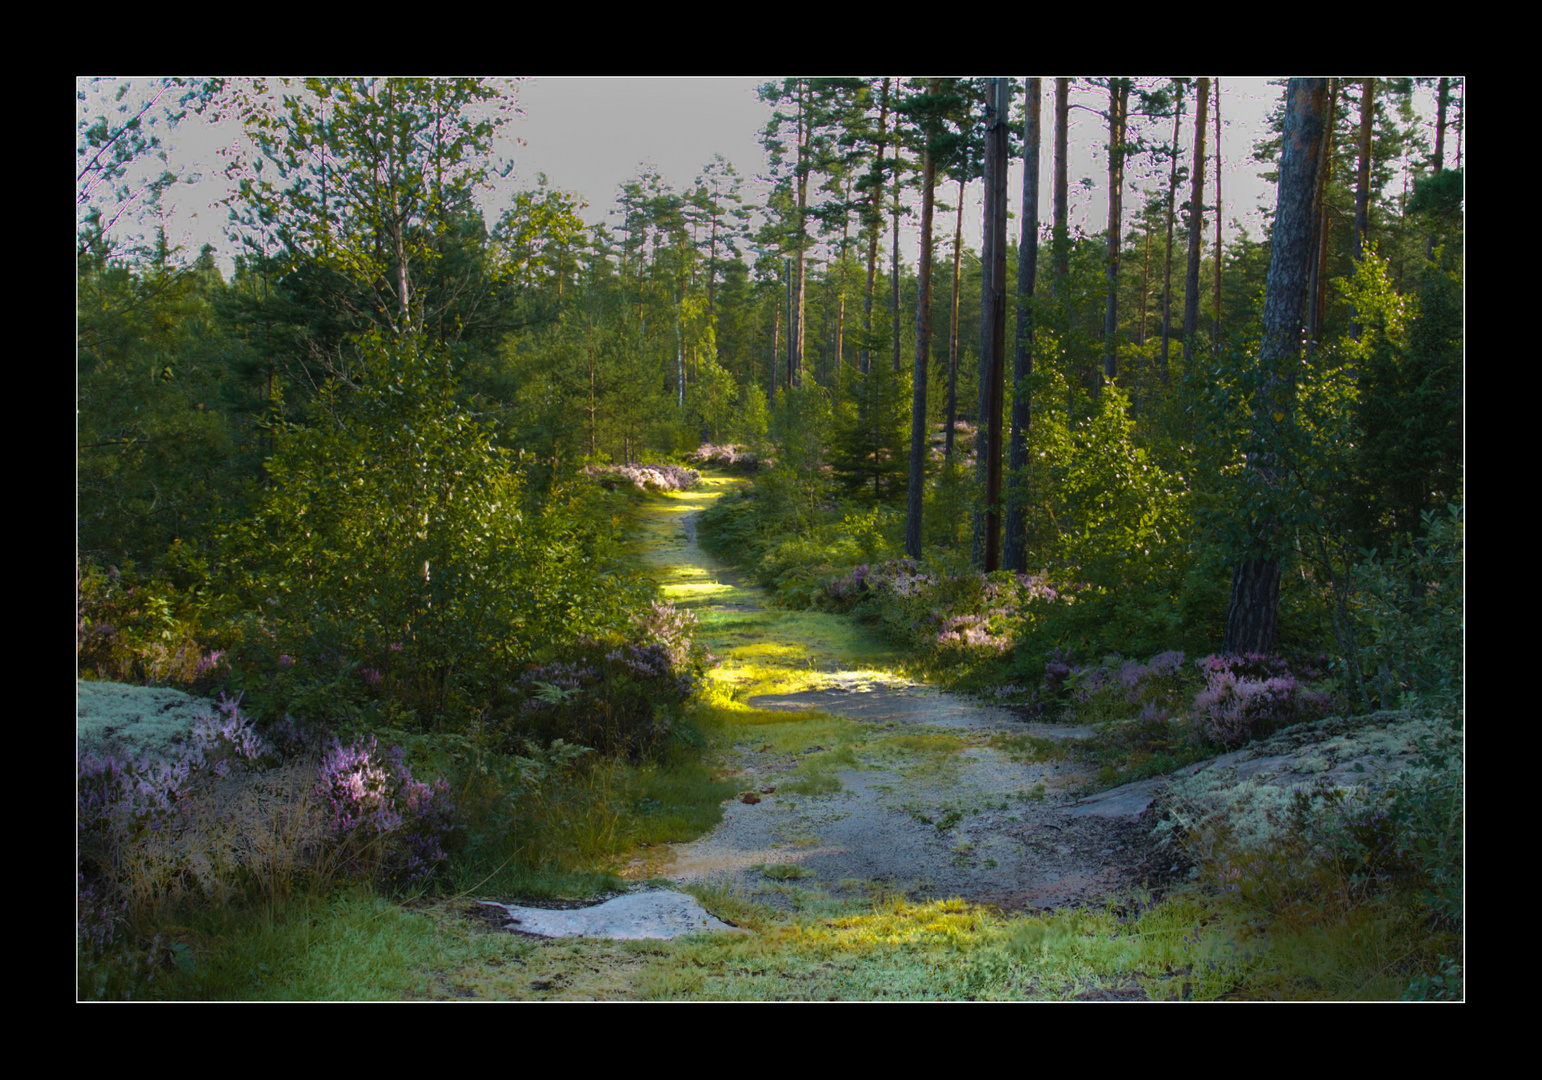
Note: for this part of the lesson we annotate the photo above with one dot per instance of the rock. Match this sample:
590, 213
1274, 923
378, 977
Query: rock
650, 914
1125, 801
134, 721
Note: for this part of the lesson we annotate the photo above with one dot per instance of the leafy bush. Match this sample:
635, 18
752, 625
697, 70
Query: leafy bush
617, 696
1417, 615
142, 631
396, 554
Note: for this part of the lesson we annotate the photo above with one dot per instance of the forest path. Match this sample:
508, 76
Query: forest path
856, 777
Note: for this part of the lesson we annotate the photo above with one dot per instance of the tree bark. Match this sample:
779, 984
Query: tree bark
1318, 294
895, 303
993, 310
1196, 227
1253, 610
1118, 100
792, 329
913, 495
798, 334
1215, 338
1363, 182
1062, 240
1172, 208
1016, 555
958, 252
865, 354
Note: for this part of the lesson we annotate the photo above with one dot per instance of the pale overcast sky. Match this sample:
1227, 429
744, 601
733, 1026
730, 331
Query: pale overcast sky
589, 135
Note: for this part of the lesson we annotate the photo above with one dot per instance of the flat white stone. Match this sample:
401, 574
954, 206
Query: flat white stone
652, 914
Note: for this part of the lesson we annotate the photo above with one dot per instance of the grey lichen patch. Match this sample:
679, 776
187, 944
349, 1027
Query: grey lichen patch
135, 721
1247, 794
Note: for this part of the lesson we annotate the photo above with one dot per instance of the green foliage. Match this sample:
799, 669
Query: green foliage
1408, 408
1416, 610
159, 456
396, 551
794, 489
754, 416
870, 441
1123, 523
137, 630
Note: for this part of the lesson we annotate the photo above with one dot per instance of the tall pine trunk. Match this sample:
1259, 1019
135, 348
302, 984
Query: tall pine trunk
958, 251
797, 336
1118, 100
1255, 592
1363, 183
1015, 556
895, 303
993, 311
1061, 241
1215, 337
1317, 297
913, 496
875, 214
1172, 212
1196, 227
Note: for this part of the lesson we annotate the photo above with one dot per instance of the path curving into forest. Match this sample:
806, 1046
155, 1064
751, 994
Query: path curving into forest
854, 777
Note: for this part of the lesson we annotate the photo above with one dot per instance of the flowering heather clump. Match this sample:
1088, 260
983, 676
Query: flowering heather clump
142, 827
669, 627
1114, 688
973, 632
386, 821
1058, 666
646, 477
218, 820
727, 456
1250, 696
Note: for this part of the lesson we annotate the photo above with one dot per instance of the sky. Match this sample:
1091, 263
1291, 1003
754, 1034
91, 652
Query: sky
590, 135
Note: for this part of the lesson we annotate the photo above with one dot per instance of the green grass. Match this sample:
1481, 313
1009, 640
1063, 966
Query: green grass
859, 943
1031, 749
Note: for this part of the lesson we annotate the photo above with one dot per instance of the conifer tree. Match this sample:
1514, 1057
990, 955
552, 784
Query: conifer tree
1255, 591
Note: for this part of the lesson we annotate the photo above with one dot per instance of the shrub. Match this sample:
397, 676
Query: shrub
645, 477
1249, 697
232, 817
142, 631
398, 553
616, 696
152, 832
729, 456
1417, 615
386, 825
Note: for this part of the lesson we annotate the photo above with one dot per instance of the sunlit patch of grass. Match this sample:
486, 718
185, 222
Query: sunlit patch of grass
1029, 749
785, 871
729, 903
788, 732
927, 745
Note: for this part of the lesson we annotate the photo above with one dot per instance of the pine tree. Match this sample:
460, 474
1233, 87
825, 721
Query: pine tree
1255, 591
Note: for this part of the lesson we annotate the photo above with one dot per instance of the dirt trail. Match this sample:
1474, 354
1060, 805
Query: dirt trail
938, 796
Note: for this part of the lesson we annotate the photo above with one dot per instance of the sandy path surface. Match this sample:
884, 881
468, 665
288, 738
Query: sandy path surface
930, 804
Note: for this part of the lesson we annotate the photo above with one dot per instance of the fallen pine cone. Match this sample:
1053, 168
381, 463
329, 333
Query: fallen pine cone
749, 797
